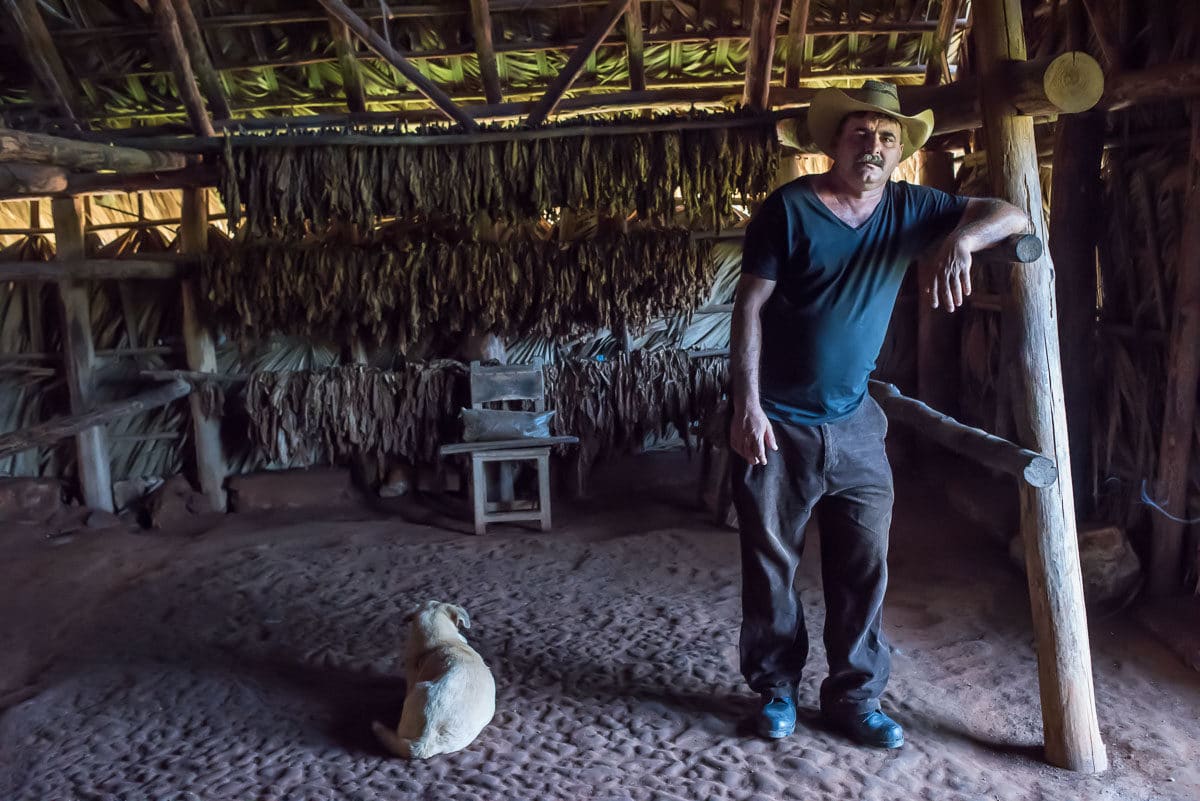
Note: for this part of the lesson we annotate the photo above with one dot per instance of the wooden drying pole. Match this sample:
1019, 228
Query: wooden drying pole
1070, 727
1183, 360
50, 432
74, 154
95, 478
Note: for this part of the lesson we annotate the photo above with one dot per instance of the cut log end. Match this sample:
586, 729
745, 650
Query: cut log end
1040, 472
1074, 82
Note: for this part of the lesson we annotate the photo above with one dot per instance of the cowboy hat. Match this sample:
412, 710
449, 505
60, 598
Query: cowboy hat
829, 106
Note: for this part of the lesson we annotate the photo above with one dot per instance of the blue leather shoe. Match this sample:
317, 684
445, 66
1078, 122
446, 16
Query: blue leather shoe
777, 718
873, 728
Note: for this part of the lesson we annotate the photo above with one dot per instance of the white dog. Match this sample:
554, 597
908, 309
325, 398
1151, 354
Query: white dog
451, 693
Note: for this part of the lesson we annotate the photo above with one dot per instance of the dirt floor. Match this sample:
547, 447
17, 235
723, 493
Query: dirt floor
248, 662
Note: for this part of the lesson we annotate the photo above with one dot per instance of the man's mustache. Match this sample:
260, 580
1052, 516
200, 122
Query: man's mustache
870, 158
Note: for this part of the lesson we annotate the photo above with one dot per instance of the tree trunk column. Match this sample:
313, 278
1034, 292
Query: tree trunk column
1070, 728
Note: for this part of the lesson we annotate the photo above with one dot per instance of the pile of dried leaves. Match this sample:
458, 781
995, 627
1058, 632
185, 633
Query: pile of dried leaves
391, 290
289, 183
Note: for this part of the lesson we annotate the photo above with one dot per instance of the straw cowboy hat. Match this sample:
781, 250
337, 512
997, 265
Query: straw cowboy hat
829, 106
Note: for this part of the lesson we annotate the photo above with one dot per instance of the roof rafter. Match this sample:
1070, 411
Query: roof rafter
43, 56
635, 47
481, 27
600, 29
406, 68
797, 37
210, 81
938, 68
352, 86
762, 53
181, 66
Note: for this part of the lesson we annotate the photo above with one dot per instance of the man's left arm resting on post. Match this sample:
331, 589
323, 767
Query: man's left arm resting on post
985, 222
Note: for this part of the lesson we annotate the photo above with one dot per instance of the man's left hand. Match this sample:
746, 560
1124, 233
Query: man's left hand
951, 274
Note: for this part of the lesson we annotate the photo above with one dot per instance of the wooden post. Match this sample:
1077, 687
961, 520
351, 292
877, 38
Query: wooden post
1174, 454
201, 356
938, 333
765, 15
1070, 728
481, 29
95, 478
352, 87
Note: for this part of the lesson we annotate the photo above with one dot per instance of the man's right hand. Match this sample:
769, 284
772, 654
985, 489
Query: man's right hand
750, 434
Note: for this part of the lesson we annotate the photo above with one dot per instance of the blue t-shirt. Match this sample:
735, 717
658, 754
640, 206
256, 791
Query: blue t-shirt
824, 324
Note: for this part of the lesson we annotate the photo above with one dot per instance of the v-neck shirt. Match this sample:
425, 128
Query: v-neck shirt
836, 286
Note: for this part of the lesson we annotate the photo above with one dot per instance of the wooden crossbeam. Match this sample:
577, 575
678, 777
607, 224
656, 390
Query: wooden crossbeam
762, 53
96, 269
31, 179
603, 25
77, 155
635, 46
481, 28
937, 69
352, 86
405, 67
43, 56
206, 75
181, 66
797, 35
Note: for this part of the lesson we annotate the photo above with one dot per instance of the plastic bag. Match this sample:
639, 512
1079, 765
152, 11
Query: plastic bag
483, 425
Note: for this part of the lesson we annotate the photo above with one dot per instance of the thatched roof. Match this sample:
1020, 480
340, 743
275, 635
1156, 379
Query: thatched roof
279, 58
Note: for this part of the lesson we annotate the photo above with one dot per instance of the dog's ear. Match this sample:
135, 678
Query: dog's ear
459, 616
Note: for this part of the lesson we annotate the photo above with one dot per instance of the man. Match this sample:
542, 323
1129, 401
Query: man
823, 262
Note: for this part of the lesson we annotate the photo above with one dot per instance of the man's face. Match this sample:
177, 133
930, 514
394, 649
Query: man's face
867, 149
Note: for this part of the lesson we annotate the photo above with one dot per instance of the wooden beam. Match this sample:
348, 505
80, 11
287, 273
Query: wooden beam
797, 35
762, 53
603, 25
31, 179
352, 86
937, 70
79, 357
197, 51
1075, 214
43, 57
82, 270
77, 155
50, 432
1105, 36
201, 356
1070, 728
1179, 414
405, 67
939, 357
991, 451
181, 67
1157, 84
635, 46
481, 29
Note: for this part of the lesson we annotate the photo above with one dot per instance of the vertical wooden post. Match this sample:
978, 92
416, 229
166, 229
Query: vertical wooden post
938, 333
201, 355
79, 356
1070, 728
1183, 360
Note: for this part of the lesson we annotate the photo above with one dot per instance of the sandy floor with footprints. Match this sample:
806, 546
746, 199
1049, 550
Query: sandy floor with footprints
248, 662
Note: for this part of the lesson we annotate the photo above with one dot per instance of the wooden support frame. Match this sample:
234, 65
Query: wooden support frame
757, 94
201, 356
43, 56
481, 29
202, 66
352, 86
52, 431
1048, 526
635, 46
181, 66
95, 477
74, 154
1034, 469
797, 36
603, 25
97, 270
406, 68
937, 69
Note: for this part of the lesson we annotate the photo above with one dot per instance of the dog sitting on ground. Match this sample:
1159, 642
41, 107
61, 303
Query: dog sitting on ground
451, 693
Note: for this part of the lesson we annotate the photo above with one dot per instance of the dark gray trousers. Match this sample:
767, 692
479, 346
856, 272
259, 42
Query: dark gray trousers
839, 471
